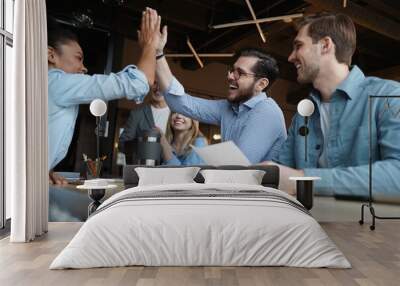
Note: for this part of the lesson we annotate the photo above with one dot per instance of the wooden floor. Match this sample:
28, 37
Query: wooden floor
374, 255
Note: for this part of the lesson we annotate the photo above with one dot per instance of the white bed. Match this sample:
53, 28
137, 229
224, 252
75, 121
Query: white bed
203, 225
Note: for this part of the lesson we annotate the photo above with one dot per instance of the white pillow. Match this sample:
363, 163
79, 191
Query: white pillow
166, 176
248, 177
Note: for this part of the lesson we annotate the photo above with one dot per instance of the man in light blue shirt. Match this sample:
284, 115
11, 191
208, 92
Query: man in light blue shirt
69, 86
253, 121
338, 139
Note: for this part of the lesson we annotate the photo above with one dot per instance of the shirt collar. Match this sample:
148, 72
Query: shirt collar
352, 82
349, 86
250, 103
53, 70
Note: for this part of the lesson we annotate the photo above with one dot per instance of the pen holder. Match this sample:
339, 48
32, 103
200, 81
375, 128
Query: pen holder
93, 168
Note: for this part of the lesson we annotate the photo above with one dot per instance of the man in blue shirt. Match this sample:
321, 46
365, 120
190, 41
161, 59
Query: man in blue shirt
253, 121
69, 86
338, 139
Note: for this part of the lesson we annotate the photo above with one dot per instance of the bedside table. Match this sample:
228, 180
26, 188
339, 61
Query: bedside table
305, 190
95, 194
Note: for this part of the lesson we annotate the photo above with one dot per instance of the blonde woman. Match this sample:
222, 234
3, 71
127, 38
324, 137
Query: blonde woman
181, 133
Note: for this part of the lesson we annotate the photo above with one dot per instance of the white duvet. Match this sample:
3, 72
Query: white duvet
183, 231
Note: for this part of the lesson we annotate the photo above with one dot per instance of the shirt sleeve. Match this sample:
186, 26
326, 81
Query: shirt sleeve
72, 89
286, 154
204, 110
131, 126
385, 171
255, 132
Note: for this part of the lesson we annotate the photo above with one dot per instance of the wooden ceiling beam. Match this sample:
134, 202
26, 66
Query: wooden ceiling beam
362, 16
274, 27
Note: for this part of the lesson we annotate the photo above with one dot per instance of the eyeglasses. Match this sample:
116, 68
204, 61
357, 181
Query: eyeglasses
237, 73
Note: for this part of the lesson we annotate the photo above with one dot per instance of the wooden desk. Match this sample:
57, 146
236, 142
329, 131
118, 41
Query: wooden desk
67, 203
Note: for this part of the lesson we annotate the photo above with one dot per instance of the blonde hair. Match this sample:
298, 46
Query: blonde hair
189, 137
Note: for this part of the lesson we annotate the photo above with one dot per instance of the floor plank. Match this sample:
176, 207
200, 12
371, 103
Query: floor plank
375, 257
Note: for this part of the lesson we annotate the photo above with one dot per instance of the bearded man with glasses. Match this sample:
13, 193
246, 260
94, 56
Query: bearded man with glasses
248, 117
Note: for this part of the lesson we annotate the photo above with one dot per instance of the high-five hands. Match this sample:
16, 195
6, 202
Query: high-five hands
149, 34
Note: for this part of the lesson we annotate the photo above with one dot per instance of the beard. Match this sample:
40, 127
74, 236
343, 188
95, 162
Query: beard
308, 74
243, 94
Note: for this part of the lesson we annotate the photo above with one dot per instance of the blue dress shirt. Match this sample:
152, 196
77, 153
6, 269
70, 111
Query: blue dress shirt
191, 158
256, 126
67, 91
347, 145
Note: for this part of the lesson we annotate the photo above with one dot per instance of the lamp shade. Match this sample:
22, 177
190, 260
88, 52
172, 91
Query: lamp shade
305, 107
98, 107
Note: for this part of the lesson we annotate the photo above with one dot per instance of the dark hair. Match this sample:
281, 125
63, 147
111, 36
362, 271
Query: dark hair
339, 27
56, 35
266, 66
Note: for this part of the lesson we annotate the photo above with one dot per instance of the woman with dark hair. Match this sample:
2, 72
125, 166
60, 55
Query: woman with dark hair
182, 133
69, 85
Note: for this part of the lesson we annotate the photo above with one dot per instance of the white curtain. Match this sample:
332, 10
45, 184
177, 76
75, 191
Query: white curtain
26, 124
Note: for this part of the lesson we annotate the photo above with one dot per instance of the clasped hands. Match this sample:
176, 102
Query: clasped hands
149, 33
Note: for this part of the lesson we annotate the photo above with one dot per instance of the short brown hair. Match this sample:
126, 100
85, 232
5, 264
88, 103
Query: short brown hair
339, 27
266, 65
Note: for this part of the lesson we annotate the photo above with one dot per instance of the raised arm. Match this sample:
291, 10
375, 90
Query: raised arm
208, 111
149, 38
66, 89
163, 72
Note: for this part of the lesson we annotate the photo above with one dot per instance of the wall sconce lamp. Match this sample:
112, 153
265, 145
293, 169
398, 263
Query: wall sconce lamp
98, 108
305, 108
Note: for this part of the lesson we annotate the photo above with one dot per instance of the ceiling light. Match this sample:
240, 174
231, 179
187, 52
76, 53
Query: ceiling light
261, 20
217, 137
213, 55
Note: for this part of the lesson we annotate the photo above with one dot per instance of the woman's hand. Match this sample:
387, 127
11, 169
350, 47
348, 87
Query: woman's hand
149, 34
166, 148
55, 179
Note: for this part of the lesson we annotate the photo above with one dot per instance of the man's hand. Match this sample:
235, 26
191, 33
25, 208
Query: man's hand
149, 34
55, 179
163, 41
285, 184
